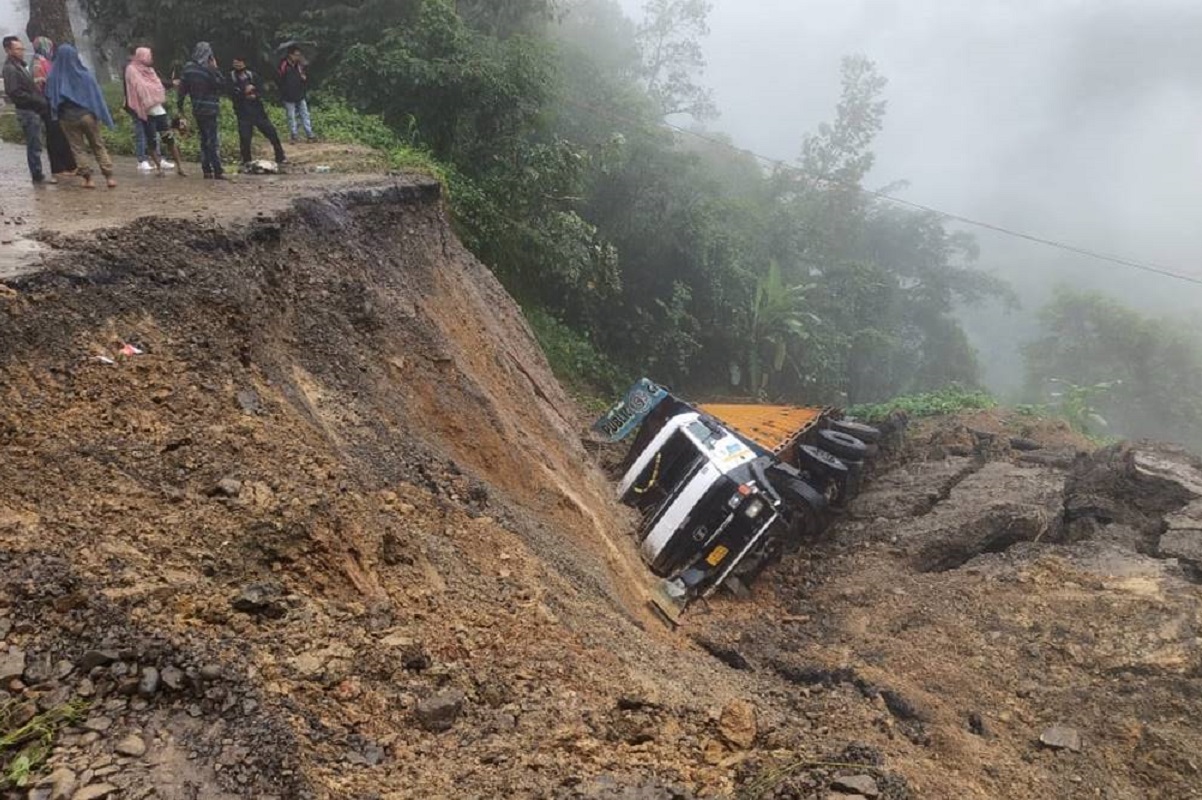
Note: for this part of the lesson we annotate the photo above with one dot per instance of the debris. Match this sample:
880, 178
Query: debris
12, 665
439, 712
864, 785
226, 487
149, 685
1061, 737
133, 746
94, 792
738, 724
104, 360
322, 169
259, 599
128, 349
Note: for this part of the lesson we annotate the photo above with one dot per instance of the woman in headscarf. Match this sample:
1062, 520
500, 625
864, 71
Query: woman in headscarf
146, 97
78, 105
202, 81
62, 162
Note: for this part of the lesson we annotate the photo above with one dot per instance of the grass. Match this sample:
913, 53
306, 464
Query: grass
24, 748
950, 400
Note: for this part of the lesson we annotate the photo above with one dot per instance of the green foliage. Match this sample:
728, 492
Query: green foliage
545, 121
951, 400
1098, 358
25, 746
573, 358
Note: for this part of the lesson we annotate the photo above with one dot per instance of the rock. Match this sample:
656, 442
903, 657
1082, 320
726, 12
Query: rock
210, 672
1183, 538
133, 746
226, 487
864, 785
99, 724
439, 712
94, 792
1061, 737
61, 783
149, 685
12, 665
97, 658
259, 599
173, 678
85, 688
311, 664
976, 724
738, 724
248, 401
1025, 445
38, 670
55, 699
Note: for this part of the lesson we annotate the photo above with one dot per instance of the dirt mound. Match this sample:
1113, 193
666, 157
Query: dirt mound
333, 492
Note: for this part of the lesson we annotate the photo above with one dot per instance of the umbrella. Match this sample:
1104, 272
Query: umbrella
282, 48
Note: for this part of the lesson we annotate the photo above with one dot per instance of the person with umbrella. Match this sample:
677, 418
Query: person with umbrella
78, 104
294, 88
248, 106
62, 161
202, 81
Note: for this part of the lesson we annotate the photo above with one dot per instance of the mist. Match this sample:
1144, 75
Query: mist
1075, 121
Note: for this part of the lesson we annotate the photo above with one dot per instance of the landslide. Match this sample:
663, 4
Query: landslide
332, 534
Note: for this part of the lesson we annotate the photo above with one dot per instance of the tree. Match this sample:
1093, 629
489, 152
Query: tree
1142, 374
778, 321
50, 18
669, 41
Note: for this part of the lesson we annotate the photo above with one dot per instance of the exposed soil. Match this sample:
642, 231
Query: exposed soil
334, 534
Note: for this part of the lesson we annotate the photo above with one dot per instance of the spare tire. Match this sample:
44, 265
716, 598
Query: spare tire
842, 445
865, 433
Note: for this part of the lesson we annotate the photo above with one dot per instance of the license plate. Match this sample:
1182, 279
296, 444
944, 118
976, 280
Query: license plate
716, 555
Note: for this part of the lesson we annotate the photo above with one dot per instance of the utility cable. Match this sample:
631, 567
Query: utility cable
963, 220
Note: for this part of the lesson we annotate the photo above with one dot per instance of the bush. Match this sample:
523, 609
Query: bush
574, 359
950, 400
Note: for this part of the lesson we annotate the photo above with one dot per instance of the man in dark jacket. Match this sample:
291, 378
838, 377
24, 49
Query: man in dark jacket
31, 105
202, 81
294, 88
248, 105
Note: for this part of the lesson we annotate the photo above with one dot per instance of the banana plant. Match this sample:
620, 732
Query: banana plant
779, 321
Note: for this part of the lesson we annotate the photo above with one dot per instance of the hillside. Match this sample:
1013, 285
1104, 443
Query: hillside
334, 533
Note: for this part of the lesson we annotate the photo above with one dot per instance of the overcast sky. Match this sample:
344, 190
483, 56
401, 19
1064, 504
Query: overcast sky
1074, 118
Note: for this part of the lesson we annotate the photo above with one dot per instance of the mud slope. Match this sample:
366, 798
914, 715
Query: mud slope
977, 596
340, 482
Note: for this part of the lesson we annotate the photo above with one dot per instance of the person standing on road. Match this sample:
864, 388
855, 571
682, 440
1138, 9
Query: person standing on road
62, 162
248, 106
202, 81
78, 104
294, 90
146, 96
30, 104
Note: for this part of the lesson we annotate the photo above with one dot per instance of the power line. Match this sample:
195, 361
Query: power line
1030, 237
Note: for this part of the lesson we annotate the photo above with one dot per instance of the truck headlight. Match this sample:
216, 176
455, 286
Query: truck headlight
753, 509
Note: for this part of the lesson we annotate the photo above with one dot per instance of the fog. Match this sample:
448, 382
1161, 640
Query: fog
1076, 120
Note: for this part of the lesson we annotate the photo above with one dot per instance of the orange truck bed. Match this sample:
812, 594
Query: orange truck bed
774, 428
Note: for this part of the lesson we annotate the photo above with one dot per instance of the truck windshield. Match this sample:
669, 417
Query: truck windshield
676, 462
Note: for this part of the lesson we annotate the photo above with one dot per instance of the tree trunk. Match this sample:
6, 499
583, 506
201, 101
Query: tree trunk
50, 18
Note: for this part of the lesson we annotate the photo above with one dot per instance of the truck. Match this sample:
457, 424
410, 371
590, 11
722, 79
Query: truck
724, 490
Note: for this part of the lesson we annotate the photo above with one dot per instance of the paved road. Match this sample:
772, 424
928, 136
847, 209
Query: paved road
67, 208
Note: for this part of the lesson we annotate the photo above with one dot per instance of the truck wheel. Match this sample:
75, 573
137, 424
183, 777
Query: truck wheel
806, 506
842, 445
815, 460
865, 433
736, 587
